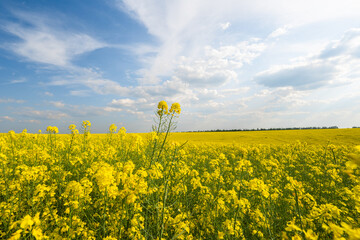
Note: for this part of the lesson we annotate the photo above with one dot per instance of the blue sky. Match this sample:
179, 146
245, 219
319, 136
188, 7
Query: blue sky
230, 64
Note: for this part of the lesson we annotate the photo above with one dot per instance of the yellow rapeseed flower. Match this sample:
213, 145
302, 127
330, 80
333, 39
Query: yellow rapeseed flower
86, 124
26, 222
175, 108
112, 128
162, 108
52, 129
109, 238
12, 134
37, 233
16, 235
72, 126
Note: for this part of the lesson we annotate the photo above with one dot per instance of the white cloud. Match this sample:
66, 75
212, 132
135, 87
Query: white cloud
112, 109
44, 44
127, 102
123, 102
225, 26
136, 107
57, 104
80, 93
235, 90
91, 79
280, 31
20, 80
218, 65
200, 75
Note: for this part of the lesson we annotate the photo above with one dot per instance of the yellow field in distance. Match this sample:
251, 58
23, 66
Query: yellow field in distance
346, 136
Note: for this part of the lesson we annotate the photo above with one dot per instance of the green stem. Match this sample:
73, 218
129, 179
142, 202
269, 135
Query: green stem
156, 139
163, 209
166, 135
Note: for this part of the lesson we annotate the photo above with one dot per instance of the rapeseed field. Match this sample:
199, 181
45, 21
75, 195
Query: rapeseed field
347, 136
125, 186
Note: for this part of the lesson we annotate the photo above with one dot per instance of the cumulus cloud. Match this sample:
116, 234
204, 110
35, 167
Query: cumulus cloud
44, 44
218, 65
201, 75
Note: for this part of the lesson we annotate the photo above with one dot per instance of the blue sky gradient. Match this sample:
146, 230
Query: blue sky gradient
230, 64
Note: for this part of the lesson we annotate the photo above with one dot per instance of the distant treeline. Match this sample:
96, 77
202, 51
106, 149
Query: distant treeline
267, 129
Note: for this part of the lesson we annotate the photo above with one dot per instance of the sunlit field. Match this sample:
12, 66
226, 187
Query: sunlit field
349, 136
161, 185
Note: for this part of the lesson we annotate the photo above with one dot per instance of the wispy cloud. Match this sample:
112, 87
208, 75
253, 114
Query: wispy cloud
49, 45
43, 114
11, 100
30, 121
20, 80
280, 31
91, 79
7, 118
58, 104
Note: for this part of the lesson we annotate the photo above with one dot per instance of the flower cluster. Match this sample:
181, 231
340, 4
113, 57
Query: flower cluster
164, 109
52, 129
112, 128
175, 108
73, 130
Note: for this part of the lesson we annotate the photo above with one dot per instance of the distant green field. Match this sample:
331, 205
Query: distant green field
347, 136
